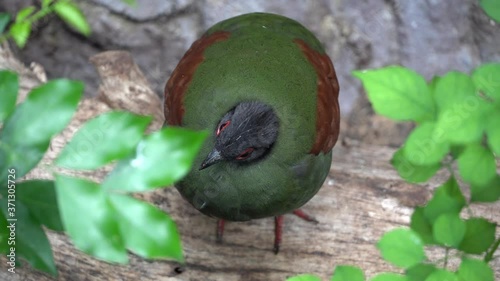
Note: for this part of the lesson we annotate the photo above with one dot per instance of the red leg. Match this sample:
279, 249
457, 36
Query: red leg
220, 231
299, 213
278, 230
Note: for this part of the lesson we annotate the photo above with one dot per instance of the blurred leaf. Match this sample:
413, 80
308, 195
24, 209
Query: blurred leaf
46, 3
24, 13
20, 32
389, 277
398, 93
304, 277
446, 199
132, 3
171, 147
492, 8
402, 247
477, 165
420, 272
474, 270
31, 242
449, 230
69, 13
27, 131
489, 192
421, 225
9, 86
147, 230
479, 235
108, 137
423, 147
442, 275
4, 234
348, 273
39, 196
487, 79
97, 232
493, 131
411, 172
4, 20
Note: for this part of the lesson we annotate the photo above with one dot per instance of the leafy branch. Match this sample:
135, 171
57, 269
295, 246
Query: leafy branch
20, 29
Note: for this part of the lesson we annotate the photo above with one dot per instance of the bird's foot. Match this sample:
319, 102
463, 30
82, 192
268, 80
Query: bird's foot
278, 227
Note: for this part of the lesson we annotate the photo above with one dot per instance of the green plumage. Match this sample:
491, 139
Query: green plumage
259, 61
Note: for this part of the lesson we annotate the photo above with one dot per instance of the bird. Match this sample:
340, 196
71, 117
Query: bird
263, 87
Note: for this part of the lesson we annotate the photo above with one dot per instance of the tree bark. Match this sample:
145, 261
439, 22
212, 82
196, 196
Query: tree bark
362, 198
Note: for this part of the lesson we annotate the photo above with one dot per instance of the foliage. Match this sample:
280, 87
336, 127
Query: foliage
492, 8
22, 26
456, 117
118, 221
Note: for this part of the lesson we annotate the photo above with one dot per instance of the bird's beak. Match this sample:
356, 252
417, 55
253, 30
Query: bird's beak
212, 158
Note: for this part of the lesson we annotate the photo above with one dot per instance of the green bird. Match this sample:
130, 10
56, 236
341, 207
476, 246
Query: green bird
264, 86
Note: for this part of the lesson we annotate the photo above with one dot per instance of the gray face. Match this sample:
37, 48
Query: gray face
244, 134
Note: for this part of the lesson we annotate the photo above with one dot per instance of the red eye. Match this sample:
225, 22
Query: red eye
222, 127
245, 154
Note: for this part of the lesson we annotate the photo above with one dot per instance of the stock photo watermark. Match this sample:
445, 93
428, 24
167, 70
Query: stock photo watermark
11, 220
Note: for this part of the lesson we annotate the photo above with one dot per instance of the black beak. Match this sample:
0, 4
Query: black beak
212, 158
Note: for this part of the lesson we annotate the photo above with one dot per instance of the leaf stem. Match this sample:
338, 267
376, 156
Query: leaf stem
489, 254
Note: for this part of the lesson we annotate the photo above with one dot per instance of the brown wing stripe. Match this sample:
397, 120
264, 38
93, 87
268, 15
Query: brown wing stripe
328, 112
183, 74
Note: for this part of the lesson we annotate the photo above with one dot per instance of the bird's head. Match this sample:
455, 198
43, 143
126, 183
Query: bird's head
244, 134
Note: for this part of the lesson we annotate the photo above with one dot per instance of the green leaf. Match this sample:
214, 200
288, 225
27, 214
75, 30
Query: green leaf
402, 247
489, 192
420, 272
442, 275
474, 270
24, 13
452, 88
132, 3
304, 277
20, 32
174, 148
398, 93
421, 225
492, 8
147, 231
69, 13
446, 199
108, 137
449, 230
493, 130
27, 131
411, 172
9, 86
479, 235
348, 273
31, 243
463, 122
389, 277
40, 198
97, 232
425, 148
487, 79
46, 3
4, 20
477, 165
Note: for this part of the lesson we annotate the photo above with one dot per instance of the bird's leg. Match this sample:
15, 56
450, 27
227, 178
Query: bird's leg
220, 231
299, 213
278, 230
278, 226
